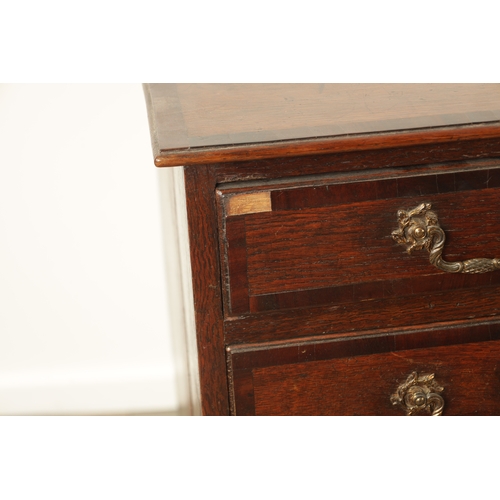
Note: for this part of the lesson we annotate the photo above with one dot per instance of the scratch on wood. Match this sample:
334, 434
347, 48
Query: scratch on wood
409, 360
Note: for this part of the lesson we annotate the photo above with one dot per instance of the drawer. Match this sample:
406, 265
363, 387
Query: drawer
371, 375
317, 253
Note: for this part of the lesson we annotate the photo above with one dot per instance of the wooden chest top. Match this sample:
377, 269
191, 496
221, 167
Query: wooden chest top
207, 123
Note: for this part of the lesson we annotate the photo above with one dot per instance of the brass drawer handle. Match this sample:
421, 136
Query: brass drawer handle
419, 228
419, 394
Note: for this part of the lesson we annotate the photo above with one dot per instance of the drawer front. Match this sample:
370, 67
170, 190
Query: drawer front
326, 242
323, 378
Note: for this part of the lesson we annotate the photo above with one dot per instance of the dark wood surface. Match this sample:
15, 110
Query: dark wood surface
202, 123
401, 157
357, 375
327, 241
202, 221
393, 312
362, 386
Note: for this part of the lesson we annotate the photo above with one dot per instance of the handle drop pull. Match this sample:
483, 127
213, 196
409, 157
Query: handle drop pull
419, 228
419, 394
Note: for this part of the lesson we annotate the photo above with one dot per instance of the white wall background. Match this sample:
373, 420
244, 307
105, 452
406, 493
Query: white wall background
84, 327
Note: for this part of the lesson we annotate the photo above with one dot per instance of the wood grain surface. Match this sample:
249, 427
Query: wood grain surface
202, 221
356, 376
400, 157
395, 311
201, 123
329, 241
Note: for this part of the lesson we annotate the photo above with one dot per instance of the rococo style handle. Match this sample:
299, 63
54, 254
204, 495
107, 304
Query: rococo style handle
419, 228
419, 393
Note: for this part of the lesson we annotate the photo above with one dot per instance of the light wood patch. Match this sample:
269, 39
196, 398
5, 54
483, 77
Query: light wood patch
249, 203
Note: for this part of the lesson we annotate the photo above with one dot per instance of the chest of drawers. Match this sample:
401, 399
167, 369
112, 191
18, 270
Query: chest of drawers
344, 245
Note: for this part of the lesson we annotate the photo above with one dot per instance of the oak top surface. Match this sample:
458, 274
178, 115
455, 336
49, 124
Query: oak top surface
197, 123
